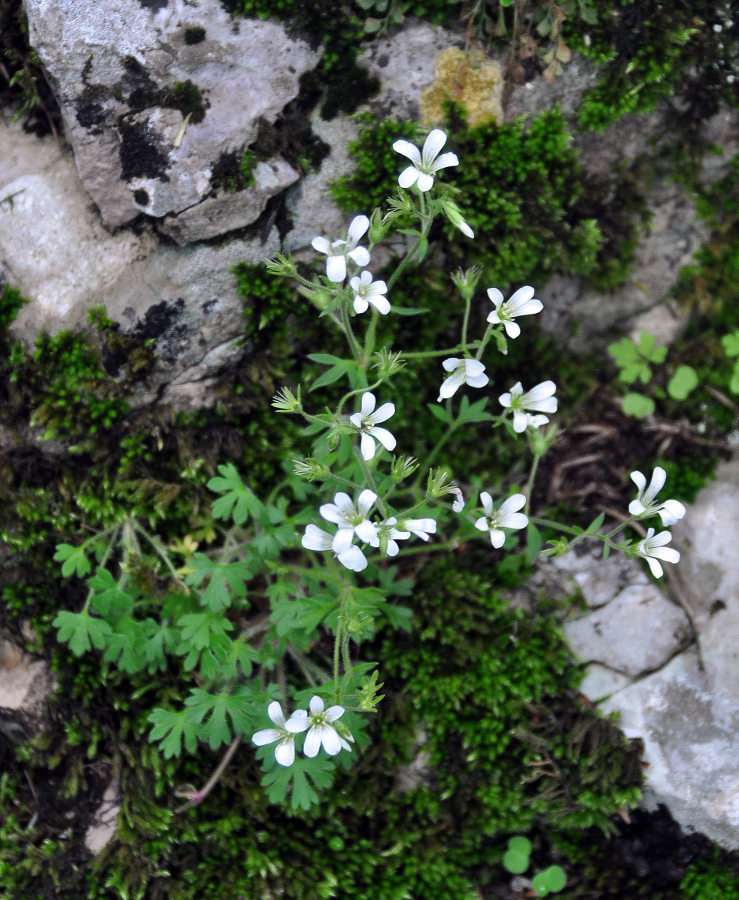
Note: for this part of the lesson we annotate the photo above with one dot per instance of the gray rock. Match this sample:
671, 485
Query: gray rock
105, 819
125, 76
601, 682
638, 631
51, 245
25, 687
693, 764
709, 577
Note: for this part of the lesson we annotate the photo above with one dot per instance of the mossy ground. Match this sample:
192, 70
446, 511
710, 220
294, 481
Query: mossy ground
489, 711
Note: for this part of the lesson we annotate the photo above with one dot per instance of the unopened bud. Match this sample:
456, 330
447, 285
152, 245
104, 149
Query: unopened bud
280, 265
387, 363
377, 228
454, 214
402, 467
311, 469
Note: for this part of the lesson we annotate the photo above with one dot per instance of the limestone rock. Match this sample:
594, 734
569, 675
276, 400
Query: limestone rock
185, 300
709, 578
601, 682
638, 631
105, 820
693, 764
25, 686
154, 95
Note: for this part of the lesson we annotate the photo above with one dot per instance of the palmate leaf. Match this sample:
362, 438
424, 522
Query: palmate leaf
237, 502
170, 728
109, 599
219, 708
294, 781
73, 559
224, 580
81, 631
124, 644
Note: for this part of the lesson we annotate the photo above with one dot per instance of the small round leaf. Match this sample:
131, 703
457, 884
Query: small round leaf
516, 863
555, 878
638, 405
683, 381
520, 844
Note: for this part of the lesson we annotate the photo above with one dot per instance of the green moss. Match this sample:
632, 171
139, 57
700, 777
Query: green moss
233, 171
710, 880
652, 50
525, 199
11, 302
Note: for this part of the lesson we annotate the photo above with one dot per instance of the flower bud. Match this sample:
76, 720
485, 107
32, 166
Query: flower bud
402, 467
467, 280
286, 402
280, 265
454, 214
387, 363
377, 228
438, 483
311, 469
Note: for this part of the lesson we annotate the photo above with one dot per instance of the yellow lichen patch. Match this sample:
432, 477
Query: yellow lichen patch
467, 78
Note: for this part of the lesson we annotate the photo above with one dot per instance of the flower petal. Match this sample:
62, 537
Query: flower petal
312, 743
330, 740
298, 722
336, 268
316, 539
639, 480
274, 711
365, 501
444, 161
358, 228
408, 177
405, 148
671, 512
367, 447
487, 502
381, 304
367, 531
266, 736
285, 752
320, 244
432, 145
353, 559
425, 182
360, 304
368, 403
360, 255
655, 567
520, 421
496, 296
477, 380
512, 329
497, 538
384, 437
334, 712
316, 705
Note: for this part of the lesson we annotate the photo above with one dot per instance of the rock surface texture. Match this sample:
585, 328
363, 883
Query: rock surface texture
25, 687
155, 95
668, 662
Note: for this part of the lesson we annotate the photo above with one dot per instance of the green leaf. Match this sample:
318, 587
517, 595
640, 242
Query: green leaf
734, 381
730, 343
638, 405
683, 381
314, 609
500, 340
238, 501
516, 863
520, 844
124, 645
170, 728
109, 600
551, 880
81, 631
333, 374
225, 580
73, 559
220, 708
595, 524
198, 629
409, 310
294, 781
439, 412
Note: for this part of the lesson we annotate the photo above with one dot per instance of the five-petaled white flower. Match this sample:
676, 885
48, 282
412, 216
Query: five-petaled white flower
506, 516
367, 422
284, 733
653, 549
351, 518
392, 535
321, 731
519, 304
367, 291
539, 399
463, 371
425, 164
338, 251
351, 557
670, 511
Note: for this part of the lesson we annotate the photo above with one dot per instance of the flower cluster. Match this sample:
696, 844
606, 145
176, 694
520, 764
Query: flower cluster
318, 723
653, 548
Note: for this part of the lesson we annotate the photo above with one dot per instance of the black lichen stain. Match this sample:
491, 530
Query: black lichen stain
141, 152
159, 319
194, 35
141, 197
183, 95
154, 4
89, 109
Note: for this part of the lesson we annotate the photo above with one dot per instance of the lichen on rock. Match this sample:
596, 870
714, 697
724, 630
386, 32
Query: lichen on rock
468, 78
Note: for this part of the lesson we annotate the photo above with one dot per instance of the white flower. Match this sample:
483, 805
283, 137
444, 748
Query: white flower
284, 733
520, 304
425, 164
351, 518
392, 535
337, 251
367, 422
458, 504
652, 548
367, 291
321, 731
351, 557
506, 516
670, 511
422, 528
540, 399
469, 371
